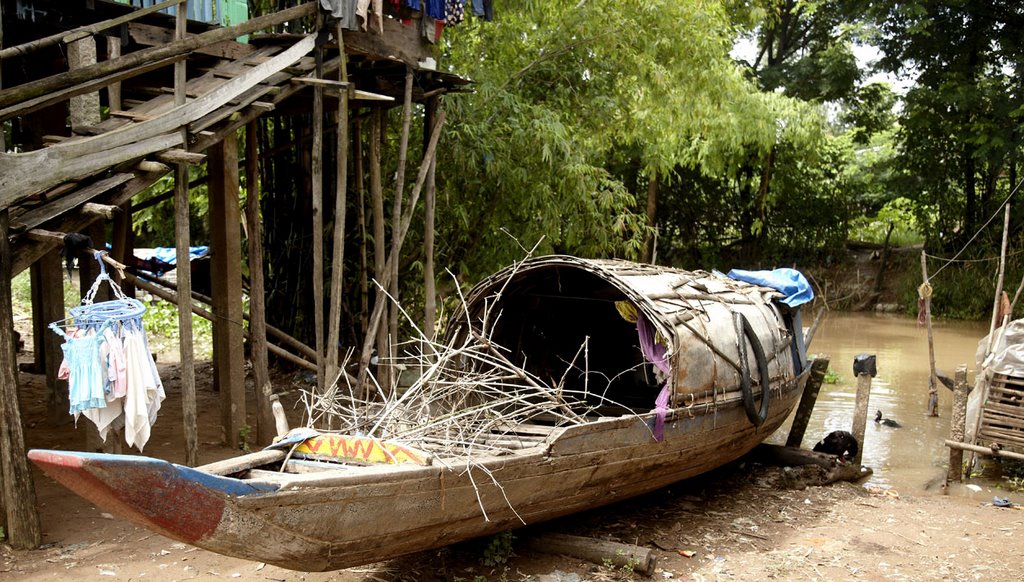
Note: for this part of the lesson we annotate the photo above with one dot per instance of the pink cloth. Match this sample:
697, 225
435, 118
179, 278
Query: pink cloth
655, 353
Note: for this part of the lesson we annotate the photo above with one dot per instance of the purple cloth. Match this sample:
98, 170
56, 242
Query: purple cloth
655, 354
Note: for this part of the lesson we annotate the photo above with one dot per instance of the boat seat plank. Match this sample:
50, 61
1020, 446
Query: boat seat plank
238, 464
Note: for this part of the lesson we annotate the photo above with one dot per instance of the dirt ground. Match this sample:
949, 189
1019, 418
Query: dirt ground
742, 522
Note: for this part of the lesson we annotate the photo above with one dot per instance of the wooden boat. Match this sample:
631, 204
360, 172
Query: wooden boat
325, 501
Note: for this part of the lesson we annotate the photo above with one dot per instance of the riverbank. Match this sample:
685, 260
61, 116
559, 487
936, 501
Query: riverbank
741, 522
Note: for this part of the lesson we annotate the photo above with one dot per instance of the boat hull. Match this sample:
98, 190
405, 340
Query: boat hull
343, 518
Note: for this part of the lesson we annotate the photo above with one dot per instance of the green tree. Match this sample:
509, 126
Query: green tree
578, 105
960, 124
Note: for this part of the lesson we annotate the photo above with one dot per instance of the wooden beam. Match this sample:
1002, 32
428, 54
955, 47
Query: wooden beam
19, 177
100, 210
29, 251
43, 101
148, 35
180, 157
68, 36
60, 81
314, 81
229, 368
19, 494
397, 42
46, 212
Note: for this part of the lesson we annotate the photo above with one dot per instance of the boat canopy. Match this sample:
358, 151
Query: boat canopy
572, 323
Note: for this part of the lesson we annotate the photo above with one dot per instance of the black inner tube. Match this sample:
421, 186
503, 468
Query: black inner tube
744, 330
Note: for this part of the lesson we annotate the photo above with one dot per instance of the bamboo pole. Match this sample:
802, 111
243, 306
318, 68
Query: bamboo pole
317, 170
19, 494
984, 450
925, 292
957, 421
396, 211
182, 241
380, 304
265, 426
340, 208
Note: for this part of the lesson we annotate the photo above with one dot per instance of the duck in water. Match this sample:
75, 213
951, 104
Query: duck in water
886, 421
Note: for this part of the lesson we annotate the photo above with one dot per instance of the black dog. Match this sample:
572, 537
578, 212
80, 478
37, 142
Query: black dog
839, 443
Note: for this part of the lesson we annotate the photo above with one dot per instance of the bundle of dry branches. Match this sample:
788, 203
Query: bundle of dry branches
469, 396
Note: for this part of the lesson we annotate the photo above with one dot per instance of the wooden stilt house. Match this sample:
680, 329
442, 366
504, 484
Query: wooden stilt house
100, 100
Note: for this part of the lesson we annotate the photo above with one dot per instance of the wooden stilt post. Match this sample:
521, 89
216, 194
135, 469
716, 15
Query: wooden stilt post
182, 242
803, 411
39, 322
114, 89
340, 207
377, 193
864, 368
265, 427
396, 219
429, 209
925, 292
122, 244
957, 423
51, 295
85, 109
318, 214
19, 494
222, 161
364, 268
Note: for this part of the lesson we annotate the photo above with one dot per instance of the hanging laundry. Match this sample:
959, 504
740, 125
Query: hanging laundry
413, 4
455, 11
85, 373
112, 378
145, 391
435, 9
484, 9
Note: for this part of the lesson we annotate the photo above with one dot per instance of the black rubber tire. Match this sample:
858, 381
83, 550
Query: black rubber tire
744, 330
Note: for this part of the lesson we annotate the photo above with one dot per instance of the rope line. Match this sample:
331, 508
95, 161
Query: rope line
983, 227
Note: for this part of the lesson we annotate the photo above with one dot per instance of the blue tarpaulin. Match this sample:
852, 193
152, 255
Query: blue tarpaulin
789, 282
169, 255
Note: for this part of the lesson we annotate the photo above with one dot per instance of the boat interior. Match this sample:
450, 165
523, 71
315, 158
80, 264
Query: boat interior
562, 326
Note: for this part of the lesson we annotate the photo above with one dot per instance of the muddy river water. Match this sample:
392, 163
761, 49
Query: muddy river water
908, 458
